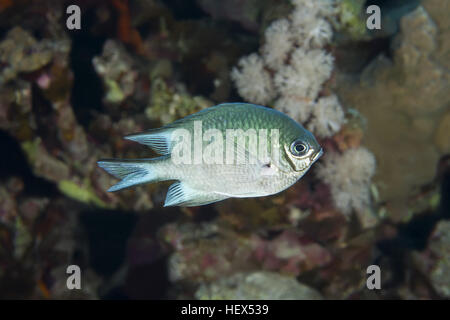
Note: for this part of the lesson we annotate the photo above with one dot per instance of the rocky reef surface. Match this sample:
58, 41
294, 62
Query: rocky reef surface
377, 101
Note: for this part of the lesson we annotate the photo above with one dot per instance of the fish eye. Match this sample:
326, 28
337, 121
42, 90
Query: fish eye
299, 148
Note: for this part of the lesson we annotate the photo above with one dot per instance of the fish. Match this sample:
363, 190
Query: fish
230, 150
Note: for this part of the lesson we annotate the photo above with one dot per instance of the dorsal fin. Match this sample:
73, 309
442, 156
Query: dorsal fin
157, 139
160, 139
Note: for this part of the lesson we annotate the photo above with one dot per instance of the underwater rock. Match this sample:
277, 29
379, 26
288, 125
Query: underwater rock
8, 204
43, 164
403, 99
169, 103
434, 262
20, 52
290, 253
440, 246
345, 276
259, 285
39, 236
207, 259
20, 214
209, 252
30, 208
117, 70
15, 106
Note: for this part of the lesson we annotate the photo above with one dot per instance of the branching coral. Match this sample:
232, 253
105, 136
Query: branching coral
349, 176
293, 67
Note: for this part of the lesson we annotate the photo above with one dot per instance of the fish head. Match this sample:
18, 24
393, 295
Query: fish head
301, 150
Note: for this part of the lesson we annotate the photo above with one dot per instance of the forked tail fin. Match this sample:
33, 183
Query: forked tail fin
131, 171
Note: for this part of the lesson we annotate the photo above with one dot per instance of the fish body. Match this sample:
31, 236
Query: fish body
230, 150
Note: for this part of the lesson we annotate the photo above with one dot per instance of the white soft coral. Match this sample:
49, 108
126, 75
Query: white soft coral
278, 43
294, 66
309, 22
349, 176
319, 34
295, 107
252, 80
304, 77
327, 117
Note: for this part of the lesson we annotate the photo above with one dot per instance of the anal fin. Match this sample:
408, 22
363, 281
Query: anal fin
180, 194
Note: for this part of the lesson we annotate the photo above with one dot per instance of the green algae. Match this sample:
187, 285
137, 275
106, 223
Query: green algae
83, 194
351, 18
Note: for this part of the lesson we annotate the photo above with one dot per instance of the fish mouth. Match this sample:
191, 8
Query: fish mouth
317, 155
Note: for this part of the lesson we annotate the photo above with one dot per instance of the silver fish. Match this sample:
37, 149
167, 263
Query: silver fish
230, 150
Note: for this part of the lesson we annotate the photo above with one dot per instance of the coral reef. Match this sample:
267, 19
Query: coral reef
207, 260
42, 227
377, 101
168, 104
75, 159
403, 99
15, 54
